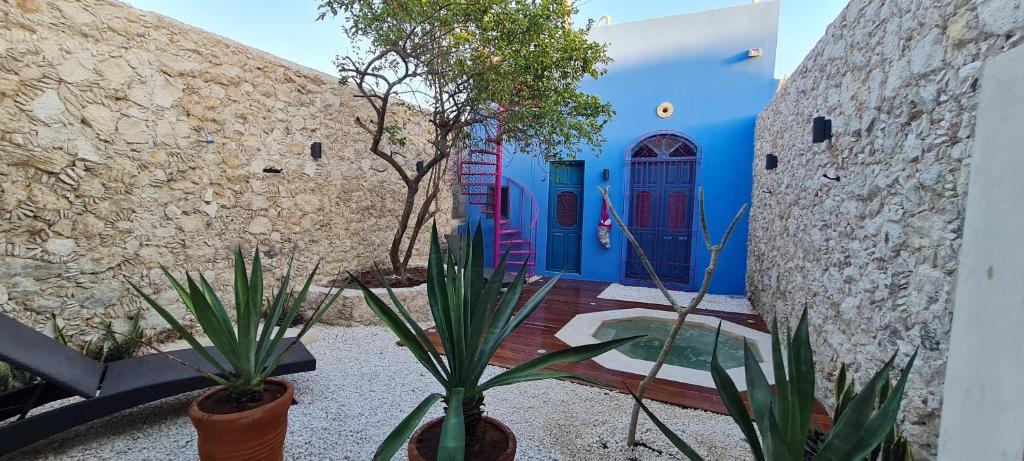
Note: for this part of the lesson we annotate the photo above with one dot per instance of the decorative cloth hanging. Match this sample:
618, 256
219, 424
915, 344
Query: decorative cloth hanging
604, 227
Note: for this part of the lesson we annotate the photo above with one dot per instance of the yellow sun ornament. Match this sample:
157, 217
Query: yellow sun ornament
665, 110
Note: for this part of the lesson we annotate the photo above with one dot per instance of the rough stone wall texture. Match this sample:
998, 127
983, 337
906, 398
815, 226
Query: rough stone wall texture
351, 308
105, 173
873, 256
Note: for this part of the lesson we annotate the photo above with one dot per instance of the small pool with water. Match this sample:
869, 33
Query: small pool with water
691, 350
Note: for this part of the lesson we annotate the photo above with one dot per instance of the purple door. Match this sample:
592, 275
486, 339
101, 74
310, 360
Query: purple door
663, 171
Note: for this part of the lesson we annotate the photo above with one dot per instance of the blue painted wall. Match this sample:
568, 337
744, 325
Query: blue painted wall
698, 62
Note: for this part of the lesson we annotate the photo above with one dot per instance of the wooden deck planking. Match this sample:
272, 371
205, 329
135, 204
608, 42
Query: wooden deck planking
571, 297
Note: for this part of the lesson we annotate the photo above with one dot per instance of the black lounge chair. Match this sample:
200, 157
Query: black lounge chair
106, 388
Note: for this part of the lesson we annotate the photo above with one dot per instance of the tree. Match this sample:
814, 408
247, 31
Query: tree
465, 63
681, 312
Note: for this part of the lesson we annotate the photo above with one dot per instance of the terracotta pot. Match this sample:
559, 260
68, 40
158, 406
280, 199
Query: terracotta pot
415, 454
252, 435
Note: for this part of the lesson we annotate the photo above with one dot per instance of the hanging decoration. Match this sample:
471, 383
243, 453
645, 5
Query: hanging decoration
604, 227
665, 109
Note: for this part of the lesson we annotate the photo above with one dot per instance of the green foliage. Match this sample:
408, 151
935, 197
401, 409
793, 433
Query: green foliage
473, 316
894, 447
12, 378
783, 418
268, 307
56, 330
115, 346
112, 346
459, 59
249, 347
395, 136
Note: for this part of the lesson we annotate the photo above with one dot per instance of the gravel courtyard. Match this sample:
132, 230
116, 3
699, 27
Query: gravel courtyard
365, 384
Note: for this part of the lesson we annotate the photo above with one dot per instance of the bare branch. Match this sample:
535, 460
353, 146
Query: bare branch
681, 312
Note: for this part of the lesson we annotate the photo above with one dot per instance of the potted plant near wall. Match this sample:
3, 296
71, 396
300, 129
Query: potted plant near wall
473, 316
246, 416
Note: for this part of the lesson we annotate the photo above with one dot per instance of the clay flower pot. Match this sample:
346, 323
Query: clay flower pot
499, 442
256, 434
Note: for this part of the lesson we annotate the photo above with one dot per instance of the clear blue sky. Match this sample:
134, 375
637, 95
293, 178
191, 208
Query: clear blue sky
288, 29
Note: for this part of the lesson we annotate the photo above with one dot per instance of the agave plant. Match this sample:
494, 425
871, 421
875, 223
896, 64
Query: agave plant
113, 346
56, 329
894, 447
250, 347
473, 316
783, 418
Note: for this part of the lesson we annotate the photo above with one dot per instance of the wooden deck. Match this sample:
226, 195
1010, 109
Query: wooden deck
572, 297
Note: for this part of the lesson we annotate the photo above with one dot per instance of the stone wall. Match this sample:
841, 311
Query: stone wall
106, 172
873, 256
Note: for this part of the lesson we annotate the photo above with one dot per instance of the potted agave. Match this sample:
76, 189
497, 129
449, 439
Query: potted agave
473, 316
246, 416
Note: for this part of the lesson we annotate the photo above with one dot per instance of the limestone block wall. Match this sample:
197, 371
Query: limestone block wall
106, 172
873, 256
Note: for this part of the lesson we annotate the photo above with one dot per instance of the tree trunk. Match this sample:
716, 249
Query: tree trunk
473, 416
412, 188
424, 214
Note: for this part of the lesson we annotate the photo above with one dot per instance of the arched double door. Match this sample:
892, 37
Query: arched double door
662, 178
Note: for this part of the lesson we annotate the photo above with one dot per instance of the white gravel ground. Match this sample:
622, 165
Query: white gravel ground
364, 384
650, 295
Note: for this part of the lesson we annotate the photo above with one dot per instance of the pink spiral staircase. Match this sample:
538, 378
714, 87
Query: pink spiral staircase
481, 182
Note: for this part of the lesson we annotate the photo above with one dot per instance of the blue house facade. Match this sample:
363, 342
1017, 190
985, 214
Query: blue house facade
686, 91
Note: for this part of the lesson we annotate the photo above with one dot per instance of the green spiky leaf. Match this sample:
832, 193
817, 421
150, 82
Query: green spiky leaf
249, 345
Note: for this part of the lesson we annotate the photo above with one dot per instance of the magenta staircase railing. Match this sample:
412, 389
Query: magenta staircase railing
519, 233
481, 181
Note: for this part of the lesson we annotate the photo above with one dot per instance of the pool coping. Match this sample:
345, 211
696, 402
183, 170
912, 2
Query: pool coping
580, 331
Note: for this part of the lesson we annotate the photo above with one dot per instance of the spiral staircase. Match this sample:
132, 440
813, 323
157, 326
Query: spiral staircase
479, 172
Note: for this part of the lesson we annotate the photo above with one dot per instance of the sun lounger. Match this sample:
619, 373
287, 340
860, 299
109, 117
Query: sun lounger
105, 388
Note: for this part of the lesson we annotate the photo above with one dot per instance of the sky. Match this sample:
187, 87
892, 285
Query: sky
288, 28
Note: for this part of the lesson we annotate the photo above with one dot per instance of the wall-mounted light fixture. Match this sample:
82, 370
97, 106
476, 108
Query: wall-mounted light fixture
606, 174
316, 151
771, 162
754, 52
821, 129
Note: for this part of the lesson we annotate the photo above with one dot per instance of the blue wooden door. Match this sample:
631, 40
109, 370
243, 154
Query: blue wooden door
565, 210
663, 173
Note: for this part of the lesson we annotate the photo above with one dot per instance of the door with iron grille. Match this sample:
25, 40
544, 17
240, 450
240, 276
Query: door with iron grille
663, 171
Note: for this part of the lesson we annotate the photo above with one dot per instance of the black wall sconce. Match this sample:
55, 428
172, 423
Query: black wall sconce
771, 162
316, 151
606, 174
821, 130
